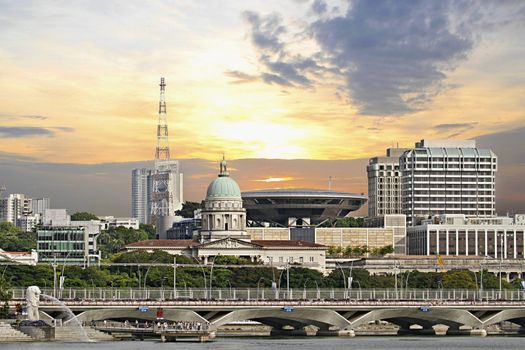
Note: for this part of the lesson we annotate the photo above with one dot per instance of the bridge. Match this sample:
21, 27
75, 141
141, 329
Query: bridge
331, 311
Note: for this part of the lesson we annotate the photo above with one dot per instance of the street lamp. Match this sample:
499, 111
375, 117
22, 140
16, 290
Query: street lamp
258, 282
211, 273
344, 277
203, 274
360, 292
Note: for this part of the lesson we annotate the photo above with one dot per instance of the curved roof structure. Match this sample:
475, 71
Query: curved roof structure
223, 187
279, 205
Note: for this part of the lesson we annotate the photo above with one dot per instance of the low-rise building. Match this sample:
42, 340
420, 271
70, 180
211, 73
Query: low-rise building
276, 253
65, 241
113, 222
496, 237
26, 258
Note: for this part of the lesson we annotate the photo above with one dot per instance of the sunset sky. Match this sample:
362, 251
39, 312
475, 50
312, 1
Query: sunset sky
318, 80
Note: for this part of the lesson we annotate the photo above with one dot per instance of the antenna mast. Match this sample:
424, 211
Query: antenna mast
162, 152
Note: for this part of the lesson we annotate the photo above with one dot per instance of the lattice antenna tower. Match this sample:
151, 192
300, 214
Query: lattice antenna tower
162, 152
162, 196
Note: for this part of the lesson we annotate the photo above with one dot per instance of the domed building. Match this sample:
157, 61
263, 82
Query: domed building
223, 214
223, 232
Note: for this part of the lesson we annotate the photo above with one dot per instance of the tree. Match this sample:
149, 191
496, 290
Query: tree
114, 239
12, 239
5, 295
349, 222
83, 216
149, 229
188, 208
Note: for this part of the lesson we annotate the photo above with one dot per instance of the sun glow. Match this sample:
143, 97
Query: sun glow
264, 140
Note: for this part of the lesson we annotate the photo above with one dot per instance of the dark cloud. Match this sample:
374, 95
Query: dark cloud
395, 53
240, 77
24, 131
64, 128
319, 7
30, 131
265, 31
37, 117
454, 126
15, 117
278, 66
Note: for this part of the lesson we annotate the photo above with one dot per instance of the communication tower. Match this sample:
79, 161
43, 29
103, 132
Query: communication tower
167, 179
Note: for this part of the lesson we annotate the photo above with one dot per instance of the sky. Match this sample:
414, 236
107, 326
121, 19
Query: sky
322, 84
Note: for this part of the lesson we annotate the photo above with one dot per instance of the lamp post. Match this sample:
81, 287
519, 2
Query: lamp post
360, 291
500, 263
395, 278
203, 274
344, 277
258, 282
54, 265
175, 277
211, 274
288, 279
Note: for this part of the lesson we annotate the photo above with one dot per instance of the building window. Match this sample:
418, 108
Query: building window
301, 259
281, 259
311, 259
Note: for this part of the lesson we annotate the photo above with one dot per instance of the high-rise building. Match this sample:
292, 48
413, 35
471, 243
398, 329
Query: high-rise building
14, 207
447, 177
384, 185
39, 205
141, 190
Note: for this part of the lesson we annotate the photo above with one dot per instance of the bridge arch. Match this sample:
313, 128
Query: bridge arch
516, 316
134, 313
449, 317
321, 318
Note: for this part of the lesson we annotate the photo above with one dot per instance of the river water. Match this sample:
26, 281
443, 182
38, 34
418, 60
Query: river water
296, 343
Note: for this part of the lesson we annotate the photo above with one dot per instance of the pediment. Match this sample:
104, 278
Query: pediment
229, 243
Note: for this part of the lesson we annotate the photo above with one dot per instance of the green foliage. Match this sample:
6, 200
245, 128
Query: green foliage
149, 229
188, 208
12, 239
349, 222
114, 239
133, 276
5, 295
83, 216
358, 251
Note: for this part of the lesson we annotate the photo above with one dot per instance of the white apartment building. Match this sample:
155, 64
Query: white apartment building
384, 184
141, 191
14, 207
496, 237
447, 177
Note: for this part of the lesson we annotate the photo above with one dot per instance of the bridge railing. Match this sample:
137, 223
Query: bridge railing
254, 294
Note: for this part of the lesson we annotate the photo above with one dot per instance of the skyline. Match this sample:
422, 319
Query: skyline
104, 189
319, 81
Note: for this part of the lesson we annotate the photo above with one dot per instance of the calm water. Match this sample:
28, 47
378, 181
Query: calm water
304, 343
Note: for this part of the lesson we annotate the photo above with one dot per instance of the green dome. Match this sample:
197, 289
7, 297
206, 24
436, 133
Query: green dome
222, 187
